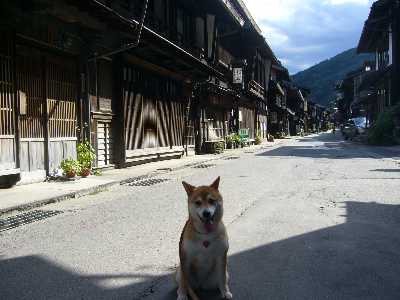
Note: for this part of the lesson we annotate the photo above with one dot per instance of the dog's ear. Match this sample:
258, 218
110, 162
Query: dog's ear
215, 184
188, 187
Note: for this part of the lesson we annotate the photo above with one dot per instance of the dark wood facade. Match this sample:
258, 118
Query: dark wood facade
40, 103
8, 132
278, 94
69, 73
381, 35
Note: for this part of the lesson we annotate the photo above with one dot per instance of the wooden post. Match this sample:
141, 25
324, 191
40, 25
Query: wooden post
83, 95
16, 101
87, 107
256, 117
118, 126
187, 119
236, 114
197, 125
46, 116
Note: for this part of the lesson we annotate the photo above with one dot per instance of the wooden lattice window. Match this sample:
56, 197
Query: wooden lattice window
6, 89
30, 84
61, 98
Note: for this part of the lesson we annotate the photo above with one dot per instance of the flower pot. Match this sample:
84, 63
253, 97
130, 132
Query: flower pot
70, 174
85, 172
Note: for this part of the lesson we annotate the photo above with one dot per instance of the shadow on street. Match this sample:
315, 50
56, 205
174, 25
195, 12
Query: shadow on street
355, 260
387, 170
329, 146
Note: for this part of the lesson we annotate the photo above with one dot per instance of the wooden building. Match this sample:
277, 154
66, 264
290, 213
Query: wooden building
239, 99
355, 94
71, 73
297, 104
381, 35
278, 122
76, 70
39, 92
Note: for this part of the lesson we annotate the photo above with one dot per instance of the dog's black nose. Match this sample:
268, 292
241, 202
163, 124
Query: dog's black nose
206, 215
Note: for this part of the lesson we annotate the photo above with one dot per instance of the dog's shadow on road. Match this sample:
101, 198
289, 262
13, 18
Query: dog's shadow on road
354, 260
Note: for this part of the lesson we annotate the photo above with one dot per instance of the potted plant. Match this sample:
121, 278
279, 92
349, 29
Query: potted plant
229, 141
70, 167
219, 147
238, 140
86, 158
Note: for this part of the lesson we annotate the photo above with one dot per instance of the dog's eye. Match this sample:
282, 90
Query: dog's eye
212, 201
198, 203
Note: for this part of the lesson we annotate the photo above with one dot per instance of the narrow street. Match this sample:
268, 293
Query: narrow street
312, 218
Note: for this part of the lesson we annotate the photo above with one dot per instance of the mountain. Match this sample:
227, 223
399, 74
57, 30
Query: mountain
322, 77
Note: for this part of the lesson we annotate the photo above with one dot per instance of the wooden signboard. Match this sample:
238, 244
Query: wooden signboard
105, 104
22, 103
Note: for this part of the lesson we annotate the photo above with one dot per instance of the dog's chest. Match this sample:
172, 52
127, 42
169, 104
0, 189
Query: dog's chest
205, 251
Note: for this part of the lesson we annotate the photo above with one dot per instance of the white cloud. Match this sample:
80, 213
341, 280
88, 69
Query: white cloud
274, 35
273, 10
303, 32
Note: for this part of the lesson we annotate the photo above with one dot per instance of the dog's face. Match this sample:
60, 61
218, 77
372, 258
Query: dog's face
205, 204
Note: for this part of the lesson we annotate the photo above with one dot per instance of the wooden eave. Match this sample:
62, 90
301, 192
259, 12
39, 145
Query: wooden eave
157, 42
247, 37
375, 27
248, 15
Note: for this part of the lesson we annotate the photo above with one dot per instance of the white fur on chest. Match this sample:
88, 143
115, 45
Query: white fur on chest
196, 249
203, 261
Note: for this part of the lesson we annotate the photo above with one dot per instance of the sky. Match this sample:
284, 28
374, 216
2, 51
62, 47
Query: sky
305, 32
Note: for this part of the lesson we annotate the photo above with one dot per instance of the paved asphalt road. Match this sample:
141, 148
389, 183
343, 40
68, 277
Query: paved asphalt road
315, 218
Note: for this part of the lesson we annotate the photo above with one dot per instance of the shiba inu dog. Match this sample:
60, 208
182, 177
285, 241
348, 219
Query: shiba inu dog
203, 246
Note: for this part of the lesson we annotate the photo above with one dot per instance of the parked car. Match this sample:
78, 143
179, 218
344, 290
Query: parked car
354, 127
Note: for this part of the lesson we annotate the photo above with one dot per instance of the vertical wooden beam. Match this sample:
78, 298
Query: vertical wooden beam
236, 113
118, 104
46, 115
87, 122
16, 101
82, 96
256, 117
170, 107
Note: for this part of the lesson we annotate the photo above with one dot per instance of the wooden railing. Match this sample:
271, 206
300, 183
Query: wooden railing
6, 97
256, 89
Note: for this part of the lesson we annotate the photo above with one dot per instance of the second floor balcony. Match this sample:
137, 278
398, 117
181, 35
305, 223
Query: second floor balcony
256, 89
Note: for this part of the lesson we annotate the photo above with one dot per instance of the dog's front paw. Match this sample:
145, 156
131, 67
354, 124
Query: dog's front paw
227, 295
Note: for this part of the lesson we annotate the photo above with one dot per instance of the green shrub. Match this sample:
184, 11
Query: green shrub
219, 147
86, 155
229, 141
383, 130
214, 147
229, 138
237, 139
70, 167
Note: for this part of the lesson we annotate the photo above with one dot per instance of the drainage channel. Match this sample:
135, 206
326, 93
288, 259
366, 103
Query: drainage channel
204, 166
148, 182
26, 218
232, 158
151, 179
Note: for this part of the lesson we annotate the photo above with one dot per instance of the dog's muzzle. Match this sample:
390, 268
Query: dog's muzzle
207, 216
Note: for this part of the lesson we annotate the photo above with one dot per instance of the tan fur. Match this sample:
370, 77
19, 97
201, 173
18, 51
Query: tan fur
201, 266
